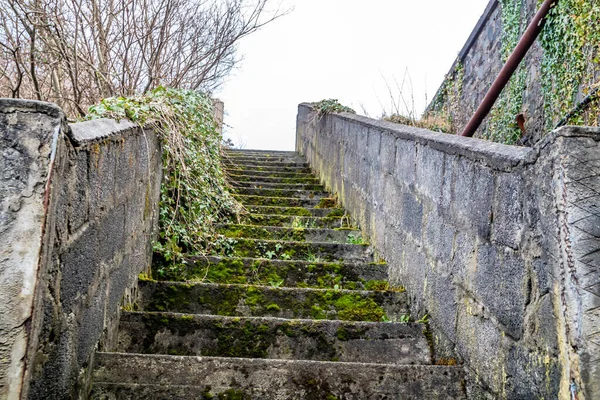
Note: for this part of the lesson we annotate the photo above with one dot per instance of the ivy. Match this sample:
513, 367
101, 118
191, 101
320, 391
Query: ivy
193, 195
447, 103
502, 126
571, 60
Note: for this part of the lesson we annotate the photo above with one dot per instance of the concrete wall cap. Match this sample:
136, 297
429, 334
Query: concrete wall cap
98, 129
8, 106
499, 156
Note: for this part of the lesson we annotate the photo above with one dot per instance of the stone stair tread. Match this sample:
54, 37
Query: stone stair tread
283, 302
276, 185
289, 233
272, 379
297, 211
262, 178
212, 269
263, 163
296, 250
259, 151
249, 200
306, 172
290, 220
279, 232
273, 338
271, 192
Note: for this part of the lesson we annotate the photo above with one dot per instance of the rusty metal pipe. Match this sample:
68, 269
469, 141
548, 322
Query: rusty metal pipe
531, 33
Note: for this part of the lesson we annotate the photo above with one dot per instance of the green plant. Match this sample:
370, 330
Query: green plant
352, 239
502, 126
303, 223
571, 60
314, 258
193, 195
405, 318
423, 320
331, 106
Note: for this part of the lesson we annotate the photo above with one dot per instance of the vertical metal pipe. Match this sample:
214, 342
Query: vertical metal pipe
532, 32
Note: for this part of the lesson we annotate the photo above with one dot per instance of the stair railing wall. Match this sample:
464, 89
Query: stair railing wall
79, 208
498, 244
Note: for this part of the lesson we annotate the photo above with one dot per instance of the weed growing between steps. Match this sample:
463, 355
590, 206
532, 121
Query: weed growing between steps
194, 195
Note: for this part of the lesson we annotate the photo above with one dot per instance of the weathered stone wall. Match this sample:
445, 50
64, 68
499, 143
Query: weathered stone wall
78, 212
497, 244
479, 63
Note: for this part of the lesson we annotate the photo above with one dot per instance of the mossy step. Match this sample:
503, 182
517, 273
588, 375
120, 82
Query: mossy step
271, 192
267, 337
157, 376
258, 169
284, 273
311, 180
280, 302
295, 234
335, 222
293, 158
268, 165
288, 250
297, 211
273, 172
251, 200
284, 186
258, 152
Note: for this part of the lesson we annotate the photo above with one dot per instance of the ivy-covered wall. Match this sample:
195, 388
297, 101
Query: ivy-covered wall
560, 71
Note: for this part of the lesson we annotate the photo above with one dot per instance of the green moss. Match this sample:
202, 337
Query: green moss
354, 308
295, 211
377, 285
327, 202
273, 307
234, 394
338, 212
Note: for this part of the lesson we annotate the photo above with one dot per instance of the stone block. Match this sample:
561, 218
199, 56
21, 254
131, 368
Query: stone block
430, 172
110, 229
508, 210
78, 190
500, 283
126, 159
387, 153
102, 164
80, 262
91, 324
374, 146
438, 237
405, 162
412, 215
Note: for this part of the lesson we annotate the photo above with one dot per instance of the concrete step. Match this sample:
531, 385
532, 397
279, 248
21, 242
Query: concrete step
331, 221
289, 250
298, 211
136, 376
267, 165
256, 271
299, 173
251, 200
271, 185
258, 152
272, 192
266, 158
294, 234
274, 338
310, 180
265, 301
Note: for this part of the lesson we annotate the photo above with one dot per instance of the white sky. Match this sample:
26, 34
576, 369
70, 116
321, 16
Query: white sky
346, 50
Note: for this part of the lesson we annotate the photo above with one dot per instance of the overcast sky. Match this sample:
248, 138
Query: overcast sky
342, 49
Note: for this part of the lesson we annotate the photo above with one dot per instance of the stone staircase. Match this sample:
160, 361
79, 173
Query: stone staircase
292, 305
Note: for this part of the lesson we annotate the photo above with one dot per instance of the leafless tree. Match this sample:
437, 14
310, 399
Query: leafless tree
75, 52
